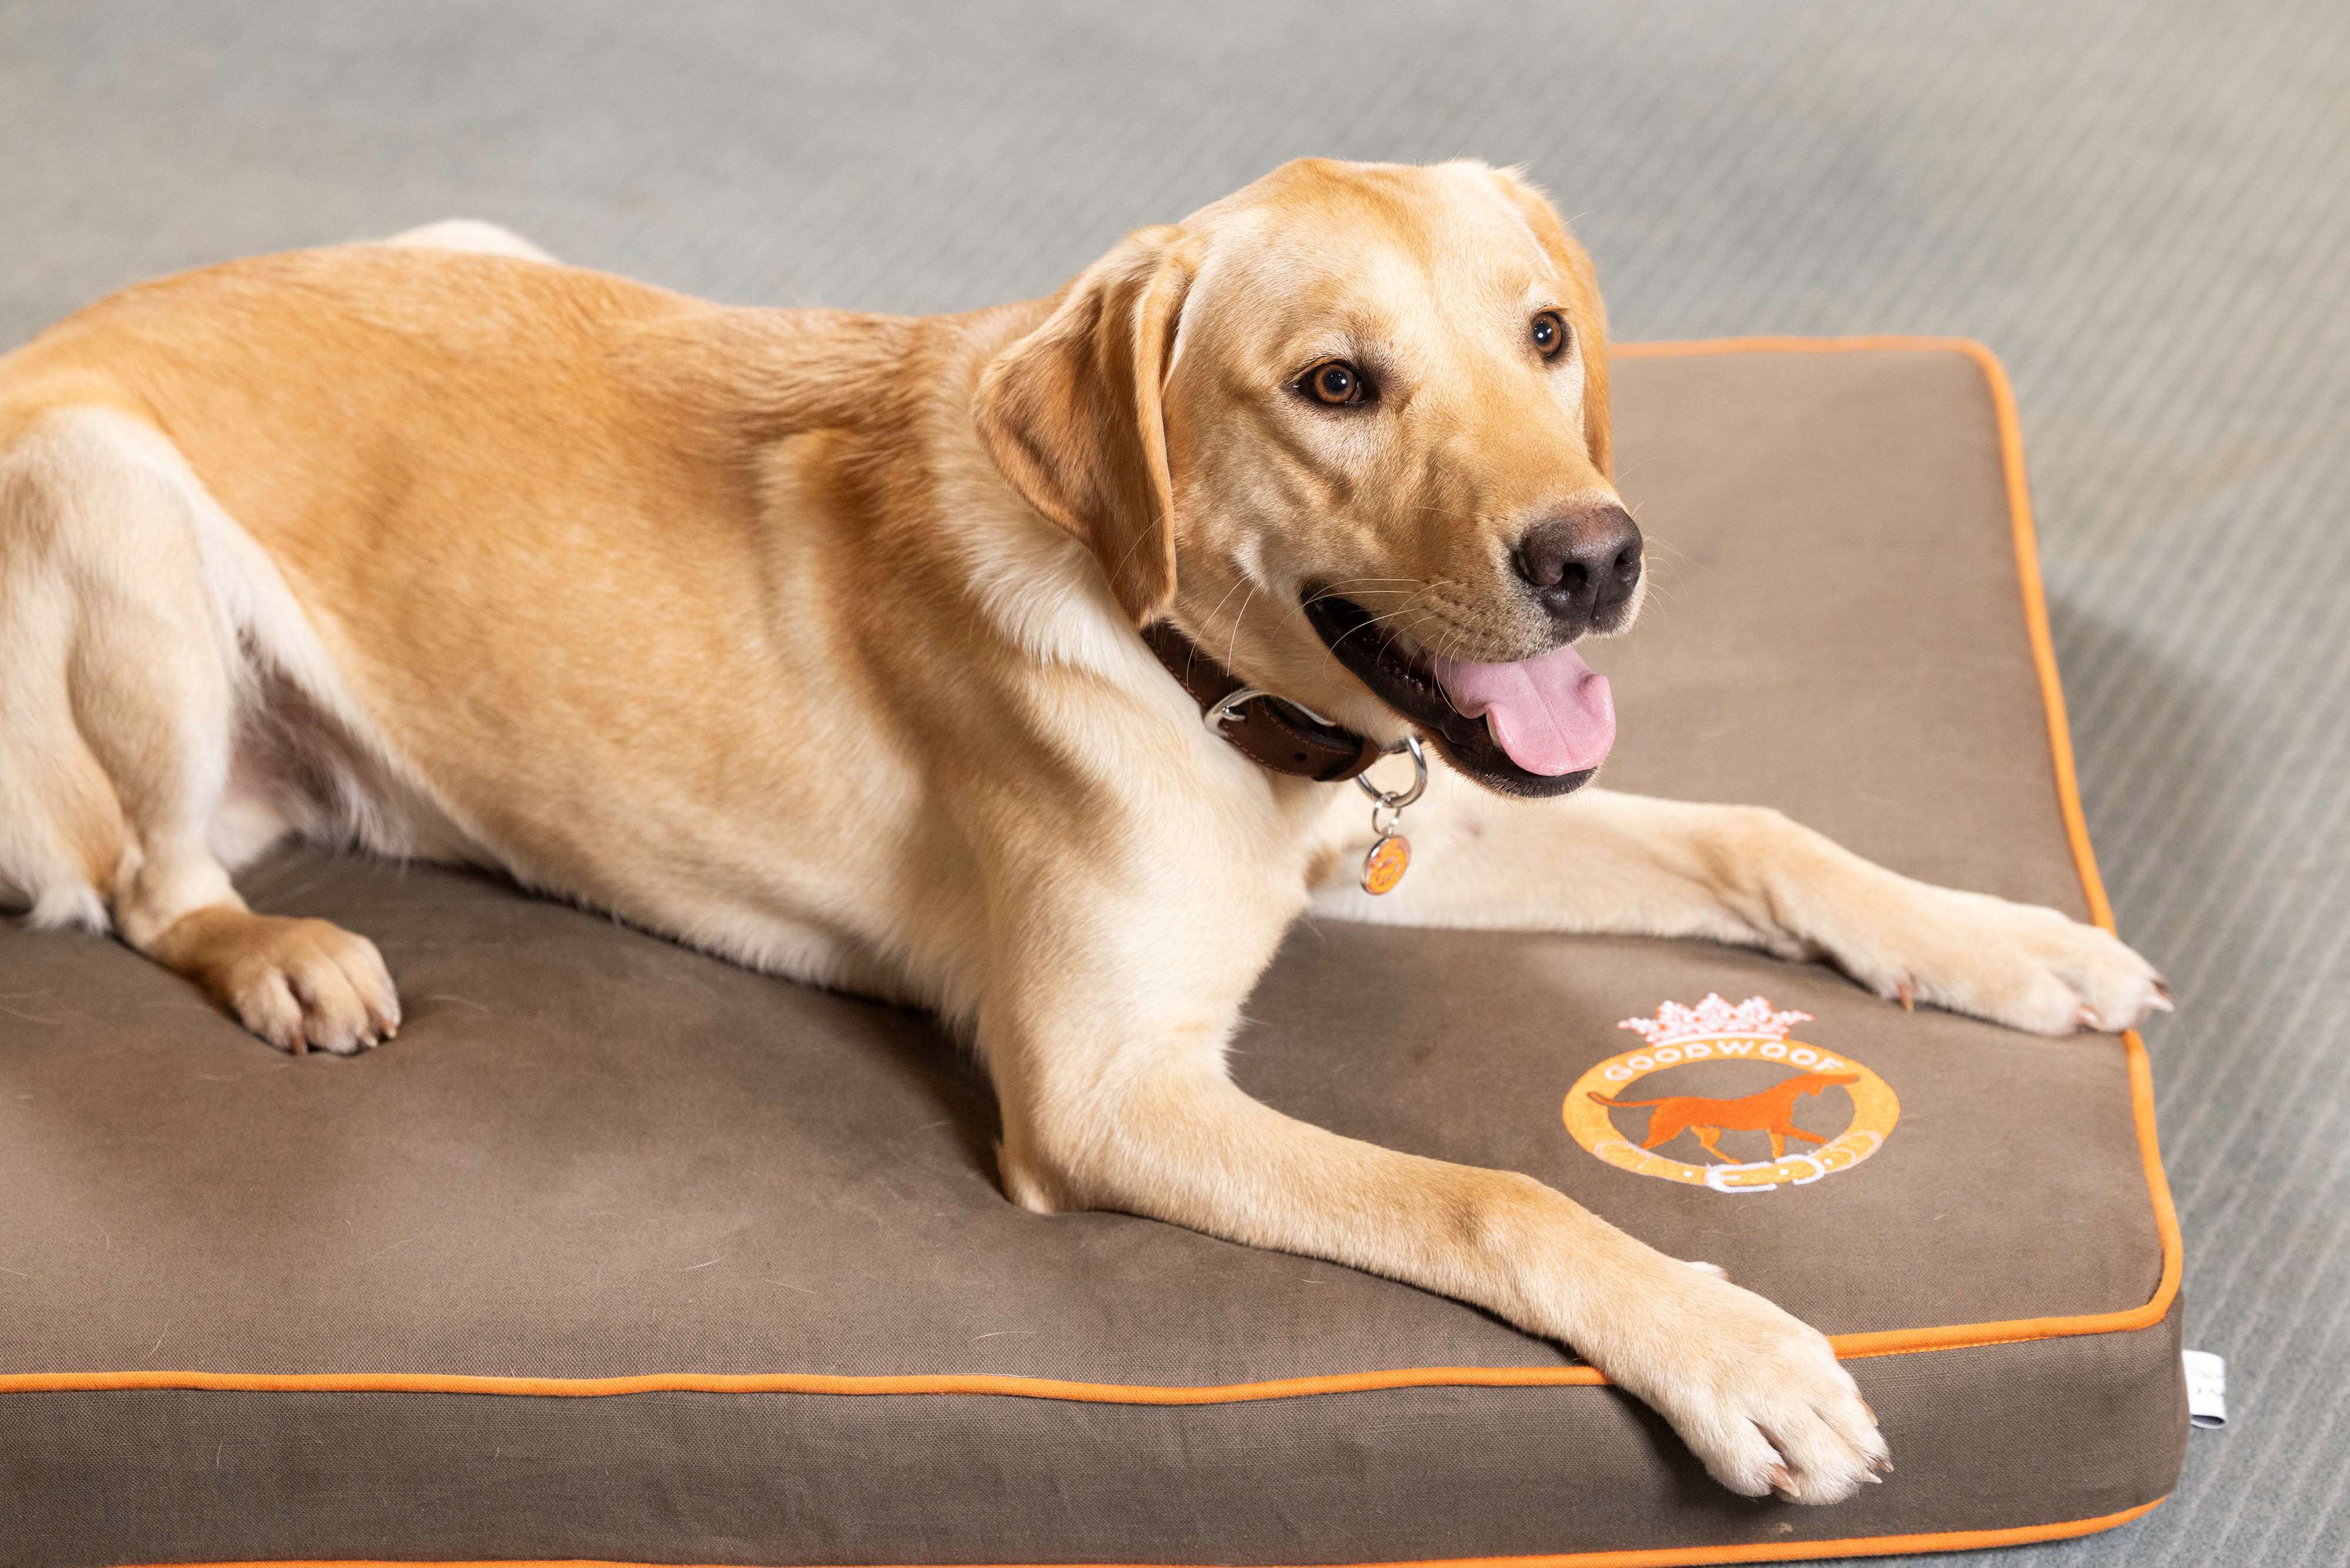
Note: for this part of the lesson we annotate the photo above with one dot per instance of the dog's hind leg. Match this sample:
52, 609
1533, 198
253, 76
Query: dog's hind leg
119, 677
60, 828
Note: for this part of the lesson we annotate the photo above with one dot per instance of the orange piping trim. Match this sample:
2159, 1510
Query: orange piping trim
1849, 1347
1660, 1557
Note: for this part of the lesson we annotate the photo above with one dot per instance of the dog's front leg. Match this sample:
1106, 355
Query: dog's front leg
1600, 862
1104, 1031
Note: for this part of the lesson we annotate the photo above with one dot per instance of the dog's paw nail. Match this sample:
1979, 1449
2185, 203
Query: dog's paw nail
2162, 998
1782, 1483
1881, 1466
1906, 993
1873, 1478
2086, 1018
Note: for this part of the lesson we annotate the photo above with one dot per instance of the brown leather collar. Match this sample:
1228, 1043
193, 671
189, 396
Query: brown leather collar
1266, 730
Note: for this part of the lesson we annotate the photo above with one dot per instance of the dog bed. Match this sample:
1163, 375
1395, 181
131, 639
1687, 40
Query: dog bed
619, 1252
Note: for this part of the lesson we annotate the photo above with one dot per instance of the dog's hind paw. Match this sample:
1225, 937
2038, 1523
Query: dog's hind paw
300, 984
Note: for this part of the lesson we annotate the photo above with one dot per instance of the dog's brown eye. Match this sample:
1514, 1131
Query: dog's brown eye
1336, 383
1550, 334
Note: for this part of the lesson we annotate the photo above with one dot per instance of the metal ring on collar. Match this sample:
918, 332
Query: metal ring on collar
1396, 799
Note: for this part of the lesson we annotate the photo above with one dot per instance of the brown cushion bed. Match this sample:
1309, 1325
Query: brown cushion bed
619, 1252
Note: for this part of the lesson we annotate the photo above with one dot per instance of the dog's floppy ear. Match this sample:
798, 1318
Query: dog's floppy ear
1073, 415
1583, 308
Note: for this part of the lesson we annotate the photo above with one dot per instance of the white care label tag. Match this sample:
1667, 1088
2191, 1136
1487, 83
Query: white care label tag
2207, 1389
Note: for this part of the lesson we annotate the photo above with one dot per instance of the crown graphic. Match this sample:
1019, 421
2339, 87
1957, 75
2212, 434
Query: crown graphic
1713, 1018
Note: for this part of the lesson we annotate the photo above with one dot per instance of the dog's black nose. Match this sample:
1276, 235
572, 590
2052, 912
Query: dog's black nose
1582, 563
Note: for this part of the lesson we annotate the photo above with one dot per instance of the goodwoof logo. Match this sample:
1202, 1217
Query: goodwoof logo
1692, 1052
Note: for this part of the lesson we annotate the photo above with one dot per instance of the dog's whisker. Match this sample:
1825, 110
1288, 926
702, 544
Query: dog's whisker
1330, 590
1232, 646
1353, 586
1373, 621
1238, 583
1413, 630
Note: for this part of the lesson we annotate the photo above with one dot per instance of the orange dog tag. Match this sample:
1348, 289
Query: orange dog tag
1384, 866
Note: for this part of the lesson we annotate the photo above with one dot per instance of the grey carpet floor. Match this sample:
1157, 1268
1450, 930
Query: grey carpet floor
2146, 209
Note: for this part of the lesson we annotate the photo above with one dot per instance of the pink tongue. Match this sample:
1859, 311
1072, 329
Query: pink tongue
1552, 715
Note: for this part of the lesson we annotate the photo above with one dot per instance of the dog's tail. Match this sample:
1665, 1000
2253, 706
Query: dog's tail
1620, 1105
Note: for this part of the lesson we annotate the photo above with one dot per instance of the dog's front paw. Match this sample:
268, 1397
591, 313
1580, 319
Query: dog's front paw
2018, 964
1757, 1394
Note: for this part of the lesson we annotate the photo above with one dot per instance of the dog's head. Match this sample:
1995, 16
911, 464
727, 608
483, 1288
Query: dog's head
1349, 430
1815, 1083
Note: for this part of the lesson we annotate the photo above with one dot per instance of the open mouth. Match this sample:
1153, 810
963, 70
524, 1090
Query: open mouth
1538, 727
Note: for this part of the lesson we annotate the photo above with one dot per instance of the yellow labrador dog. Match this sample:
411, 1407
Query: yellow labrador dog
873, 652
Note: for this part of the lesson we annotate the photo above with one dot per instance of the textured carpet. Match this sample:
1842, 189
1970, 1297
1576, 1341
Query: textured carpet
2145, 209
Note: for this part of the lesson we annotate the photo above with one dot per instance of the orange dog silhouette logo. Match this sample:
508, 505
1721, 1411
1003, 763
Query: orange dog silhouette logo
1770, 1110
1718, 1043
